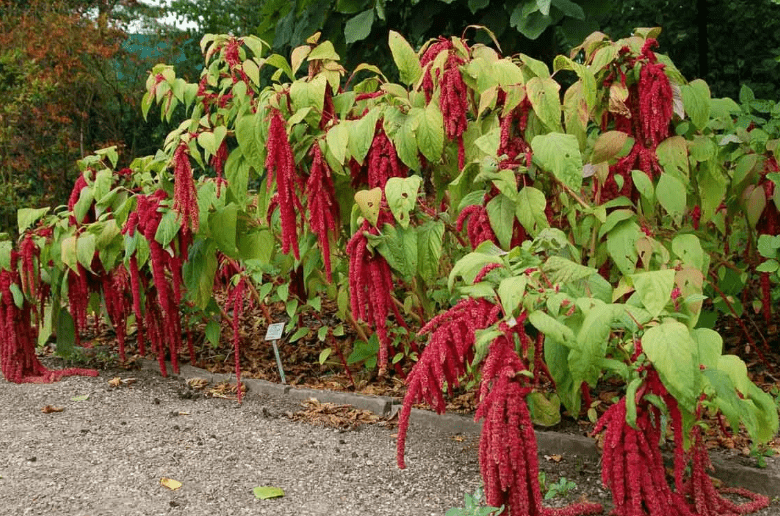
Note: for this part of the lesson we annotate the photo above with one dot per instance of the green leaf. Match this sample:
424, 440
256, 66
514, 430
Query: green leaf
671, 195
469, 266
672, 351
556, 356
560, 154
324, 354
83, 397
501, 212
530, 210
167, 229
85, 250
361, 134
17, 294
222, 224
237, 175
511, 291
570, 9
429, 248
562, 270
552, 328
544, 411
213, 330
644, 185
696, 98
631, 401
68, 253
430, 132
199, 272
399, 247
337, 139
531, 25
266, 492
26, 217
358, 27
405, 58
688, 248
309, 93
300, 333
621, 245
66, 334
401, 195
673, 157
325, 50
654, 289
546, 102
709, 344
592, 339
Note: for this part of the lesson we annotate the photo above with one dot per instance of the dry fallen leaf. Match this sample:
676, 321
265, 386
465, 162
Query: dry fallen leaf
115, 382
553, 458
458, 438
197, 383
170, 483
48, 409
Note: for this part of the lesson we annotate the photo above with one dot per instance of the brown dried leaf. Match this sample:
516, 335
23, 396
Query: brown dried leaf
48, 409
115, 382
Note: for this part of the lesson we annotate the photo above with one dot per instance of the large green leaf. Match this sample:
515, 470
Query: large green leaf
222, 224
673, 157
560, 154
361, 134
654, 289
309, 93
556, 356
26, 217
671, 194
429, 247
562, 270
85, 250
337, 139
696, 98
621, 245
673, 353
405, 58
501, 212
167, 229
546, 102
399, 247
552, 328
592, 339
430, 132
530, 210
199, 272
511, 291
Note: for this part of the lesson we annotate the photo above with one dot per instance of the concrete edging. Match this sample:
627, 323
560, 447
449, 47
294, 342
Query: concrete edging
765, 481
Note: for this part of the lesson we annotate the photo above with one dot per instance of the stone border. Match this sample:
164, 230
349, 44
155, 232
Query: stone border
765, 481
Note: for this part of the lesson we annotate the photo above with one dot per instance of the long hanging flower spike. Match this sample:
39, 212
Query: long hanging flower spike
185, 196
450, 347
280, 165
371, 286
322, 204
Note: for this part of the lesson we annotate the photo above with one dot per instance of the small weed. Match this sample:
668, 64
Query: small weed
761, 453
561, 487
474, 507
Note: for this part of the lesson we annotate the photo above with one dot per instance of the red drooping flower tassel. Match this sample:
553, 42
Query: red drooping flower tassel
280, 164
18, 337
478, 228
450, 347
371, 287
185, 196
322, 204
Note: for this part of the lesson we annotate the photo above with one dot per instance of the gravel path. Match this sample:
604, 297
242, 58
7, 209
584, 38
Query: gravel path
106, 455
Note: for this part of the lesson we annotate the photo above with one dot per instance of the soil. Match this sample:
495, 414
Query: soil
118, 435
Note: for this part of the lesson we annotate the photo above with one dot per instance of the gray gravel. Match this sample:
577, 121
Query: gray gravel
106, 455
